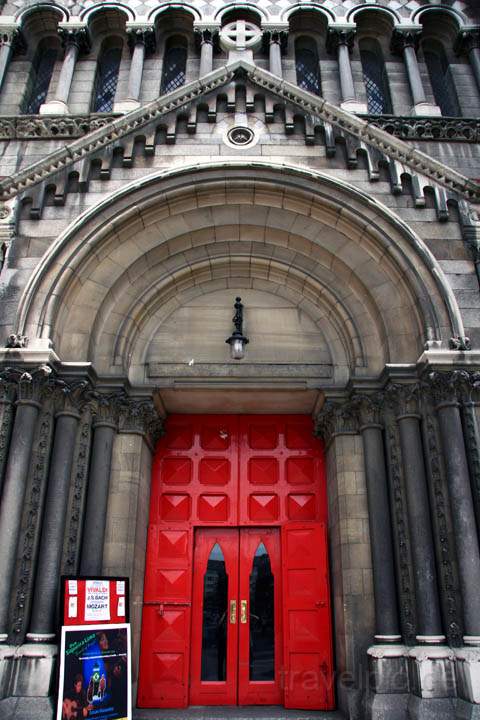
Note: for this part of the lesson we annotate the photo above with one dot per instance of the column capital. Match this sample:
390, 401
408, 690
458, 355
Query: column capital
466, 41
336, 419
7, 389
340, 36
16, 39
402, 39
445, 387
74, 36
32, 385
106, 408
403, 399
275, 35
206, 34
370, 409
71, 397
8, 35
139, 416
142, 35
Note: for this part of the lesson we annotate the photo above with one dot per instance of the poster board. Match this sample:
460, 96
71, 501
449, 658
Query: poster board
95, 673
94, 600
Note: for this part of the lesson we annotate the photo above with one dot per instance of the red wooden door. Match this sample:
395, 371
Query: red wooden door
236, 618
260, 615
306, 617
215, 624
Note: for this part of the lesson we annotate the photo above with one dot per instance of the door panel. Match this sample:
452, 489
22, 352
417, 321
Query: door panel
306, 617
214, 627
260, 640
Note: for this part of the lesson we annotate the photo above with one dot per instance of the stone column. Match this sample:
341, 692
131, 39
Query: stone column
30, 388
405, 43
104, 430
468, 43
386, 608
205, 38
8, 37
73, 41
341, 42
141, 40
445, 387
429, 623
43, 619
274, 41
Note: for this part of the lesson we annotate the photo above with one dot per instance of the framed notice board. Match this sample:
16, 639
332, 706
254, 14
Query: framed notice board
90, 600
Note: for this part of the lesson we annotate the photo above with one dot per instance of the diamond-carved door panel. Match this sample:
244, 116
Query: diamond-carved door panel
281, 470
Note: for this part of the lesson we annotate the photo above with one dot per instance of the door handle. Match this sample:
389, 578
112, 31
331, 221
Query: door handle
233, 612
243, 611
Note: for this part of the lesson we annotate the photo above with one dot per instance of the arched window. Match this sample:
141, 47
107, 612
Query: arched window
107, 77
174, 64
40, 76
440, 79
307, 65
375, 78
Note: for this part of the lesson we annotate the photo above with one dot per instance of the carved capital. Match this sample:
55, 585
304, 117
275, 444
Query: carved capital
106, 408
446, 387
337, 37
336, 419
370, 409
140, 416
72, 397
77, 37
403, 399
34, 385
7, 388
402, 39
207, 35
276, 37
466, 41
142, 36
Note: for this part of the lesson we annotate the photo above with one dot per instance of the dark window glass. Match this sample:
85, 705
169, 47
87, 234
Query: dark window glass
376, 83
441, 82
106, 80
262, 635
174, 69
307, 67
39, 81
214, 631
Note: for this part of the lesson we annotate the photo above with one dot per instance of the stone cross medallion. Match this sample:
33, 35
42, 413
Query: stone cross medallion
240, 38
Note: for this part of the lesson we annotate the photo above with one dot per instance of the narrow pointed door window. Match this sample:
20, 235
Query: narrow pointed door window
214, 629
262, 621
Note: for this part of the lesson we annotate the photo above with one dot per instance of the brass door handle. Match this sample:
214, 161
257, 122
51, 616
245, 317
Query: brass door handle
243, 611
233, 612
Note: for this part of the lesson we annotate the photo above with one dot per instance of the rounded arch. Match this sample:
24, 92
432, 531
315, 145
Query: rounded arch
62, 13
88, 15
239, 6
456, 15
326, 14
370, 284
381, 10
178, 6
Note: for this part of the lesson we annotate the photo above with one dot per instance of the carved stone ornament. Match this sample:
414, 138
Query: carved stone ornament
338, 37
370, 408
75, 36
387, 651
336, 419
140, 416
460, 343
405, 38
106, 408
71, 397
428, 128
403, 399
446, 386
142, 35
32, 385
15, 341
466, 41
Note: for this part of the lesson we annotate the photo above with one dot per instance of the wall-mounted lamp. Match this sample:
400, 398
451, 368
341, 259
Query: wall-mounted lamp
237, 339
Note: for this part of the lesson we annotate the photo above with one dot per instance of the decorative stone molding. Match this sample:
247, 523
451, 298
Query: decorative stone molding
31, 127
428, 128
393, 148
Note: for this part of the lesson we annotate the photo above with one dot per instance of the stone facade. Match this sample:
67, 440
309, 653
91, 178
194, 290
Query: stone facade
339, 200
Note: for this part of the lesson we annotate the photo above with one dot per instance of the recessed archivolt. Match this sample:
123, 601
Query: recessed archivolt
378, 287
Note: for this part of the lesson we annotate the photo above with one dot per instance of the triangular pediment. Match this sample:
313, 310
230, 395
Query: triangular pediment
356, 133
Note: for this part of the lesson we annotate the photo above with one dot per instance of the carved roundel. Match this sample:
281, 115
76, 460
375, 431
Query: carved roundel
240, 136
240, 35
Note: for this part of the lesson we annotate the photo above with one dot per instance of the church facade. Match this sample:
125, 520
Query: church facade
294, 496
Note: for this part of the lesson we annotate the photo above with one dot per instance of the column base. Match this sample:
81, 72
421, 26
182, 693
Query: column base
27, 670
388, 672
467, 710
126, 106
467, 668
54, 107
432, 671
40, 637
430, 709
425, 109
354, 106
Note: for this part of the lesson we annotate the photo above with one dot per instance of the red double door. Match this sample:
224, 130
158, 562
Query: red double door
236, 601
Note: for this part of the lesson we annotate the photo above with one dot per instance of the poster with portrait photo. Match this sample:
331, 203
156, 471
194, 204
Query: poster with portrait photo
95, 674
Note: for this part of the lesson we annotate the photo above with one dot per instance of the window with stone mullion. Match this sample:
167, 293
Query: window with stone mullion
376, 84
39, 83
107, 79
174, 69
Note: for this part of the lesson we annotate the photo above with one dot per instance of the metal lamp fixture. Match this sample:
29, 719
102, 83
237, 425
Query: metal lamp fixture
237, 339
